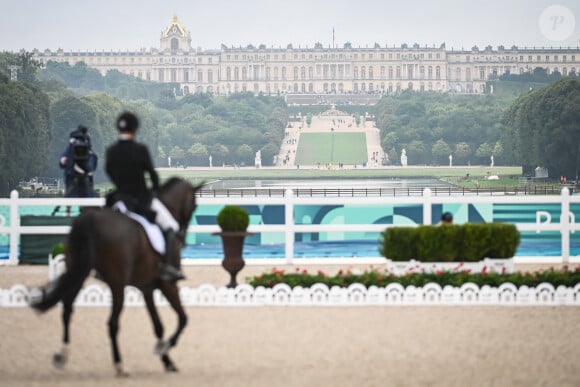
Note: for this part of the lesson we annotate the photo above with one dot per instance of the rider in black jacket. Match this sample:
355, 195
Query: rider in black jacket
126, 164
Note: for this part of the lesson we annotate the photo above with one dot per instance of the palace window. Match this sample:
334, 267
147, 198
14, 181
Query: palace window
371, 75
438, 72
382, 72
310, 72
468, 74
295, 72
185, 75
363, 72
564, 58
390, 72
236, 73
200, 76
228, 73
267, 73
276, 74
209, 76
244, 73
422, 72
398, 72
284, 73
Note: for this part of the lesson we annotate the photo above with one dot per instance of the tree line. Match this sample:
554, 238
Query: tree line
39, 111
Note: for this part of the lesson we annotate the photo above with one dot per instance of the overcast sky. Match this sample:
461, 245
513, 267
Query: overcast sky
133, 24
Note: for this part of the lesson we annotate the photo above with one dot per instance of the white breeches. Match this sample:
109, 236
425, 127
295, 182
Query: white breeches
163, 218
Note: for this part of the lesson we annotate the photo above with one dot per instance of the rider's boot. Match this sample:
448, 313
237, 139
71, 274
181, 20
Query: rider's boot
169, 270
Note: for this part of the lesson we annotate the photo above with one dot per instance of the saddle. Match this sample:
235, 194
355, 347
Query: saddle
152, 230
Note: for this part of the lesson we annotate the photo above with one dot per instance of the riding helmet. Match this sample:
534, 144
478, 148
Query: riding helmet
127, 122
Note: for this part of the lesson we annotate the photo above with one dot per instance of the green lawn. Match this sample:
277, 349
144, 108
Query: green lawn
331, 148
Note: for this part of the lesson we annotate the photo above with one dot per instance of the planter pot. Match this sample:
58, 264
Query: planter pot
488, 265
233, 245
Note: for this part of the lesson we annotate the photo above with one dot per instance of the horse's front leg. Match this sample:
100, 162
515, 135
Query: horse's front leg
118, 294
171, 293
162, 347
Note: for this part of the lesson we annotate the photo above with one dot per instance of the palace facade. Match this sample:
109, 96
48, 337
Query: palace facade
319, 69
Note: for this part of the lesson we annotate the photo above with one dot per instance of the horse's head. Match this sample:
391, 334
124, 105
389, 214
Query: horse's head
179, 197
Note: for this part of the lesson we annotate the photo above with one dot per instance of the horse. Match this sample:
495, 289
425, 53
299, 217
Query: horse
119, 251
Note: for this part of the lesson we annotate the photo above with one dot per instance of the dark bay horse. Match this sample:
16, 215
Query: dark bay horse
117, 248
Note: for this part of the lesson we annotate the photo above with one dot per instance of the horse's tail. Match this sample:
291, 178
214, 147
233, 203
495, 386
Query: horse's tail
79, 264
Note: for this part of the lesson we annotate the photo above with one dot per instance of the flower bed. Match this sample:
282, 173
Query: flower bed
382, 278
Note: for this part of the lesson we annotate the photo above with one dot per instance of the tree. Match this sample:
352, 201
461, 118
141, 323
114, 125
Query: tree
418, 152
245, 154
441, 151
66, 115
220, 154
24, 133
177, 156
543, 128
198, 154
484, 151
462, 151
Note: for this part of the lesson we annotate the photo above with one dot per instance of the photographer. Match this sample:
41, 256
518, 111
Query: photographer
79, 162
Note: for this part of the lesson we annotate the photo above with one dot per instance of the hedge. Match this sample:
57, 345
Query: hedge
450, 243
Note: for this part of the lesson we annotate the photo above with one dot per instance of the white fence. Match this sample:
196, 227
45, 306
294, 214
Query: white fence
565, 226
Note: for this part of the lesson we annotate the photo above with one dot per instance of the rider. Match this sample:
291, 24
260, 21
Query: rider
126, 163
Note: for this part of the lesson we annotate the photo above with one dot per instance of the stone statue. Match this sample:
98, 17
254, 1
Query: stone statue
210, 161
450, 160
169, 161
491, 158
404, 158
258, 159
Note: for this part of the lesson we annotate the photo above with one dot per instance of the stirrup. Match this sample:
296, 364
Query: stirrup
170, 273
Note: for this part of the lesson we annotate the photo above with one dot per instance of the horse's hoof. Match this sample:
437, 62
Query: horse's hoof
162, 347
120, 373
58, 360
171, 368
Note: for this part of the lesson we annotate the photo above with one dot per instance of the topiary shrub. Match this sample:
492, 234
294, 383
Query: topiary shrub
398, 243
57, 249
233, 218
442, 242
450, 243
476, 241
505, 239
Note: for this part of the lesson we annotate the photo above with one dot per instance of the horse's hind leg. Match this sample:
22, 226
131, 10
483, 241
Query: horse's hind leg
171, 293
59, 359
118, 299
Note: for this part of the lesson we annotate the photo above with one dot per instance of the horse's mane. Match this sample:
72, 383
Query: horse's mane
170, 183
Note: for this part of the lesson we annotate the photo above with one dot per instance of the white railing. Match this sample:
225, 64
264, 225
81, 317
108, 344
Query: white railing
565, 226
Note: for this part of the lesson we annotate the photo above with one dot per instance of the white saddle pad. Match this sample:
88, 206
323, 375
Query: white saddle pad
153, 231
